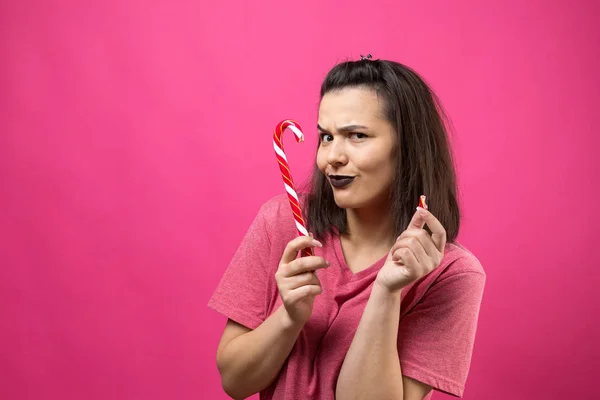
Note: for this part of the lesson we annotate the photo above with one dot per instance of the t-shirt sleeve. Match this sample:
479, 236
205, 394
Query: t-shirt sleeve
436, 337
242, 293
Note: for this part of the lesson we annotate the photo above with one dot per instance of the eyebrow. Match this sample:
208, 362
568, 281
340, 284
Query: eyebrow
347, 128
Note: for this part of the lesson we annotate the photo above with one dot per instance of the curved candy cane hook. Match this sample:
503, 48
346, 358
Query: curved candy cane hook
288, 182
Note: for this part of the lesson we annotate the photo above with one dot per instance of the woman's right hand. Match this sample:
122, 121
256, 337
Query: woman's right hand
296, 279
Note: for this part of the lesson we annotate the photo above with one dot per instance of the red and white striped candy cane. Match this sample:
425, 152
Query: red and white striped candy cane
287, 175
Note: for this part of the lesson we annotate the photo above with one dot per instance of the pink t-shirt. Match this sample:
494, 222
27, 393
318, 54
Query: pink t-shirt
438, 316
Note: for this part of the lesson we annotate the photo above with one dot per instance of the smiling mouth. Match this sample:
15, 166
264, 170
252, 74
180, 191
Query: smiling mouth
340, 181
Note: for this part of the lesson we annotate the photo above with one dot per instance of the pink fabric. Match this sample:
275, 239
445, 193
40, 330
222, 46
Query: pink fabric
438, 315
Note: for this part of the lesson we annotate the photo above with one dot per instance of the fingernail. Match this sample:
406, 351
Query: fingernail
327, 263
421, 211
317, 243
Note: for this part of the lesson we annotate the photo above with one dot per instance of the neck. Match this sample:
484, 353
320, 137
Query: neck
371, 227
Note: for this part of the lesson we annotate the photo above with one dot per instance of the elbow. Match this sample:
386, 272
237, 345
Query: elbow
237, 389
231, 389
230, 383
227, 382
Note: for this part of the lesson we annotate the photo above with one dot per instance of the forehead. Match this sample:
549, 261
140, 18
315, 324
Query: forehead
350, 106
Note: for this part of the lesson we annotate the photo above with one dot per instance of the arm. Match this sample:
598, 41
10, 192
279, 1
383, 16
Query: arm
249, 360
371, 369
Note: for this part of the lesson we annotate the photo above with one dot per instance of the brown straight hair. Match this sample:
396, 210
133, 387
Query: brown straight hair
423, 158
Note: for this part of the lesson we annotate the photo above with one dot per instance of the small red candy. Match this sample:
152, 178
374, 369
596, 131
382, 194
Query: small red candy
422, 203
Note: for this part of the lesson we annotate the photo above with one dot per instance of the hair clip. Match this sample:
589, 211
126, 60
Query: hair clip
367, 57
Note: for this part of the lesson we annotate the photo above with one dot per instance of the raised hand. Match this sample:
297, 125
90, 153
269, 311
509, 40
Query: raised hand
415, 254
296, 279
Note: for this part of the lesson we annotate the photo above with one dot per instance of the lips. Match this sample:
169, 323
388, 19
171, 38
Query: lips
340, 181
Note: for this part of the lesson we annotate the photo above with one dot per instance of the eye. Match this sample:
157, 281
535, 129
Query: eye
325, 137
358, 135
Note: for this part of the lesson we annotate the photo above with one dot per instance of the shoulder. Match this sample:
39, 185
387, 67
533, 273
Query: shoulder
461, 260
279, 206
276, 207
457, 283
459, 270
278, 219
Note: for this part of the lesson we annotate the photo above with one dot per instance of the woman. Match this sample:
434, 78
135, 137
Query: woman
387, 307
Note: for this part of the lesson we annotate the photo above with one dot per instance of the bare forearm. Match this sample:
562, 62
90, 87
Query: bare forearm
250, 362
371, 369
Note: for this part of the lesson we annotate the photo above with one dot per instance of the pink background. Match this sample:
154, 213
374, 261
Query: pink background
135, 149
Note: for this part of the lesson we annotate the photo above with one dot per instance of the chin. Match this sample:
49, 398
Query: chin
352, 200
346, 201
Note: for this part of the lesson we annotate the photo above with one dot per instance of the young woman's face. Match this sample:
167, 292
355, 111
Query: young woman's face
356, 147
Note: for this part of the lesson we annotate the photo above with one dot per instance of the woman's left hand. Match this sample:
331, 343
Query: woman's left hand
415, 253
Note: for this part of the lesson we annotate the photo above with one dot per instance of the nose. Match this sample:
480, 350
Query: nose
337, 153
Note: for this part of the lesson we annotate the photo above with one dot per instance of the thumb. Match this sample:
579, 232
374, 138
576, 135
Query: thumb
389, 256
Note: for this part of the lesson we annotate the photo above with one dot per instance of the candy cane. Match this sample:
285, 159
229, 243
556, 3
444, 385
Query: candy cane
287, 175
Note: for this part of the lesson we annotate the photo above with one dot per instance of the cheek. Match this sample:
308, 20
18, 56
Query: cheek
389, 170
321, 161
371, 163
383, 168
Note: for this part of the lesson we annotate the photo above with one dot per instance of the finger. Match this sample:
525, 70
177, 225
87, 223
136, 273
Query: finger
417, 221
406, 257
424, 238
304, 264
294, 246
415, 247
438, 233
302, 293
304, 279
407, 265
